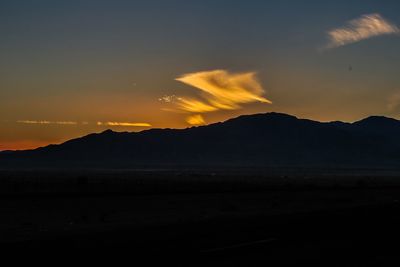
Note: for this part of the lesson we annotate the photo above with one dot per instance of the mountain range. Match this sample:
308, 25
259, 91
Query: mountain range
260, 140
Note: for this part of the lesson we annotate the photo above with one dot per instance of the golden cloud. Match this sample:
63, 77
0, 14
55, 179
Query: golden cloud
221, 90
365, 27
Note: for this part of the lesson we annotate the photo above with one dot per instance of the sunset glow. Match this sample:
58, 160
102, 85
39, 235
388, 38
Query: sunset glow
70, 69
200, 133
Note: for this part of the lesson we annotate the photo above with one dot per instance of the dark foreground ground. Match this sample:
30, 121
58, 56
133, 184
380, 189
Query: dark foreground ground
203, 219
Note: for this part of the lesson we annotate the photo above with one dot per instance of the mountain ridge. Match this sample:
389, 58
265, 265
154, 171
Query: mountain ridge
267, 139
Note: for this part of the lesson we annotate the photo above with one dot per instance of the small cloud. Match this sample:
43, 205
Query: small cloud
196, 119
124, 124
365, 27
168, 98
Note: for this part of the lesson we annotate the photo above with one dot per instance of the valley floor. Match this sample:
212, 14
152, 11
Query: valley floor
230, 222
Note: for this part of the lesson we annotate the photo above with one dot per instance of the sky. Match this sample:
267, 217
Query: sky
70, 68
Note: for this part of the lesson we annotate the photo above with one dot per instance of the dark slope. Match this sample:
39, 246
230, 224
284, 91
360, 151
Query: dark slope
270, 139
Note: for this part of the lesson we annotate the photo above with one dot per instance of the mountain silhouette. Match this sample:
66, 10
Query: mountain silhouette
262, 140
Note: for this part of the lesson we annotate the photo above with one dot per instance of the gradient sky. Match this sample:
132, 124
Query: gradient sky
69, 68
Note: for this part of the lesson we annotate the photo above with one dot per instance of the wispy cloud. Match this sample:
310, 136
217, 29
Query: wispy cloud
33, 122
124, 124
222, 90
362, 28
194, 105
219, 90
48, 122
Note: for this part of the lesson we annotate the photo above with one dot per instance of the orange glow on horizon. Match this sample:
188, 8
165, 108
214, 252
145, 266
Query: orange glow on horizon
24, 145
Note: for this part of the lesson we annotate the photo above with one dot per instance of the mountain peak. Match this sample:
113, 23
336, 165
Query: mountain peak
274, 115
108, 131
377, 120
261, 116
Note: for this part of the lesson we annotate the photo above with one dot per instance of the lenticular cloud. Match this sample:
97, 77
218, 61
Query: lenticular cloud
217, 90
221, 90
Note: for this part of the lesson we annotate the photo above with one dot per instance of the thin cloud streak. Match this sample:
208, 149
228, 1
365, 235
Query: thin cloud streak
194, 105
34, 122
365, 27
48, 122
99, 123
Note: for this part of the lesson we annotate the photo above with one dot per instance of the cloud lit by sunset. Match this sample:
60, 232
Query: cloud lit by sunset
196, 119
222, 90
218, 90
